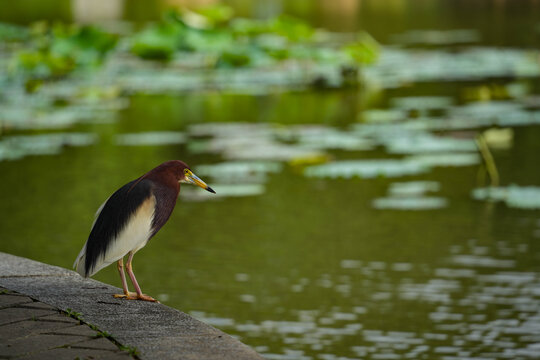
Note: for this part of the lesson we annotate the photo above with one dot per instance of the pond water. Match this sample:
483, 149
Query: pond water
345, 225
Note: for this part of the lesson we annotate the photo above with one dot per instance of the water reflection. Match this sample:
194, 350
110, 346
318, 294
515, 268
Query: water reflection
472, 308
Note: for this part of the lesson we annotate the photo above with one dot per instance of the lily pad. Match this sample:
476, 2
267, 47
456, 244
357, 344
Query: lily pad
446, 159
270, 151
229, 129
45, 117
366, 169
383, 115
410, 203
158, 41
502, 113
398, 66
151, 138
422, 102
17, 147
522, 197
413, 188
340, 141
427, 143
238, 169
222, 190
322, 137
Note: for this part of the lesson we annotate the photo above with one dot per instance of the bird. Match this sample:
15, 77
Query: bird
129, 218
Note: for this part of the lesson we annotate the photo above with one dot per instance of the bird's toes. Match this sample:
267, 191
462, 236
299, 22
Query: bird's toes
145, 297
130, 296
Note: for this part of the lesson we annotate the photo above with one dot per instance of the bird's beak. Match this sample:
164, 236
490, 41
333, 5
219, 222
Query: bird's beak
194, 179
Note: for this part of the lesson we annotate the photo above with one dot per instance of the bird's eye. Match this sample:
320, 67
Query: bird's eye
186, 172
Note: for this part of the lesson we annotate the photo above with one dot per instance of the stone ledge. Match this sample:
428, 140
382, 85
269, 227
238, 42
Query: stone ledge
155, 330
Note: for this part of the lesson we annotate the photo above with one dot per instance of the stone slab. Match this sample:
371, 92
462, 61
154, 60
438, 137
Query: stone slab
155, 330
13, 314
11, 265
36, 343
9, 300
99, 343
75, 353
27, 328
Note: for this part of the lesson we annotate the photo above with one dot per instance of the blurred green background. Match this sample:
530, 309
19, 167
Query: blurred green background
355, 218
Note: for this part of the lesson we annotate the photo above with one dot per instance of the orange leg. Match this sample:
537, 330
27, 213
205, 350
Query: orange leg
130, 296
120, 266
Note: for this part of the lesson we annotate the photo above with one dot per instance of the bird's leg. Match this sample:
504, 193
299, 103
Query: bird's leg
140, 295
126, 294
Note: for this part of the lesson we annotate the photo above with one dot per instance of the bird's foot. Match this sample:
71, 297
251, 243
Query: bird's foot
134, 296
146, 298
129, 296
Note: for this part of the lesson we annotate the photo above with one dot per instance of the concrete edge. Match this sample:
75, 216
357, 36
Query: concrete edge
155, 330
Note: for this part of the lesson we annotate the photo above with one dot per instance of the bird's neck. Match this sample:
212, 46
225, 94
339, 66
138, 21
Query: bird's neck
164, 179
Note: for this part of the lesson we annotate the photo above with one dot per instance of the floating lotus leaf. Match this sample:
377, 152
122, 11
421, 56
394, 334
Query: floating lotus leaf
366, 169
413, 188
427, 143
446, 159
17, 147
10, 32
365, 50
522, 197
151, 138
236, 171
398, 66
410, 203
222, 190
270, 151
319, 137
387, 132
159, 41
502, 113
234, 144
482, 261
422, 102
383, 116
229, 129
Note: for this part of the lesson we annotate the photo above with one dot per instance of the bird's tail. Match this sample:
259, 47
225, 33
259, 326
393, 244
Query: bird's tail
79, 264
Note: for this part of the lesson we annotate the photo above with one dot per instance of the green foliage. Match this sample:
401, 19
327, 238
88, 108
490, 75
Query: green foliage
58, 50
286, 26
216, 14
130, 349
74, 314
86, 44
290, 28
235, 57
157, 42
46, 52
9, 32
237, 42
208, 41
364, 51
248, 27
102, 334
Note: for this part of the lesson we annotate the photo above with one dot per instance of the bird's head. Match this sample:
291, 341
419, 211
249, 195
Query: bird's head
176, 170
191, 178
185, 175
